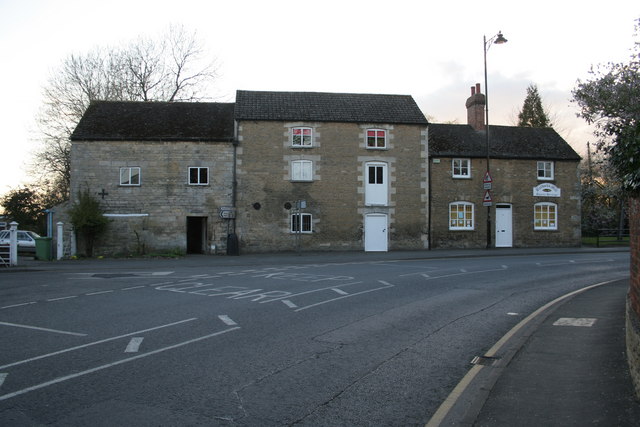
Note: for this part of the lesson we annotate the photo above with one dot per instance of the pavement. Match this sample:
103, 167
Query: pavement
563, 365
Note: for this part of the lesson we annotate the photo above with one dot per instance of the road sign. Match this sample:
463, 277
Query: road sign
487, 178
227, 212
487, 200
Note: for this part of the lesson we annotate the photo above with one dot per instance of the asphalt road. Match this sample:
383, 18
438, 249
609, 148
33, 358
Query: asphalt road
342, 342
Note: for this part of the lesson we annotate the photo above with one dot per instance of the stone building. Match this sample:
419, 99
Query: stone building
356, 163
161, 171
285, 171
534, 185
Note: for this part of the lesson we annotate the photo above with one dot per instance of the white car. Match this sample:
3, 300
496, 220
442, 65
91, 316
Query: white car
26, 240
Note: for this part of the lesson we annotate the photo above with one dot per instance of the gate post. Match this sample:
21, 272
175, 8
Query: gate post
13, 244
60, 242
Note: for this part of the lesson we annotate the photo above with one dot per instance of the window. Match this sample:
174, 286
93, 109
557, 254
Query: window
301, 170
198, 176
545, 170
376, 138
306, 223
301, 137
130, 176
461, 168
545, 216
461, 216
376, 188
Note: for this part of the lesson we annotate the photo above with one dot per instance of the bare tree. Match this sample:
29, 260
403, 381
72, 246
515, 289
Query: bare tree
171, 68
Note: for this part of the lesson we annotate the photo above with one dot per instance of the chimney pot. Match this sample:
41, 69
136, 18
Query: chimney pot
477, 87
473, 90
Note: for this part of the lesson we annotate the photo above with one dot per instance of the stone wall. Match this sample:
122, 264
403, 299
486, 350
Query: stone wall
513, 183
336, 195
153, 215
633, 302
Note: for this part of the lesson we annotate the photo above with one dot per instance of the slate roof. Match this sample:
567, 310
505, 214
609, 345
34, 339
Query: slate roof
507, 142
327, 107
156, 121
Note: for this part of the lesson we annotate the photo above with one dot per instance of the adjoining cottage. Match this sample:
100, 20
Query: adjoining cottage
161, 171
533, 186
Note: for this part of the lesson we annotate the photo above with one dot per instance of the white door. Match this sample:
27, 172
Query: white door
375, 233
376, 190
504, 226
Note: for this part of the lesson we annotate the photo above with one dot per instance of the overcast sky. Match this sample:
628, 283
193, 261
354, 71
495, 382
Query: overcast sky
427, 49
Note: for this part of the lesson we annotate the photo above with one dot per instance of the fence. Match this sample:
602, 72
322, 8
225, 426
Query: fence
5, 255
611, 237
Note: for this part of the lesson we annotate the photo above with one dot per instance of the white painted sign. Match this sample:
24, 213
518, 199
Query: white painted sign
546, 190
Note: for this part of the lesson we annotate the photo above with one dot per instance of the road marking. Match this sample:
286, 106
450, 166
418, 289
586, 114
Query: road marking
2, 378
110, 365
18, 305
387, 285
575, 321
465, 272
227, 320
132, 287
339, 291
99, 293
134, 345
95, 343
289, 303
37, 328
513, 314
62, 298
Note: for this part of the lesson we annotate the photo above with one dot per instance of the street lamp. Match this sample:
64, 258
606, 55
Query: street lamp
497, 39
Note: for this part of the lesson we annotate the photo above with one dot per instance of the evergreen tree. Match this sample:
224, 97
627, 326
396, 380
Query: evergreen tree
532, 113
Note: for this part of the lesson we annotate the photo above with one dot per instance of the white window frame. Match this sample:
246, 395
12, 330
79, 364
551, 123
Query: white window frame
198, 168
307, 223
460, 165
546, 168
464, 223
545, 221
127, 173
301, 170
376, 139
306, 141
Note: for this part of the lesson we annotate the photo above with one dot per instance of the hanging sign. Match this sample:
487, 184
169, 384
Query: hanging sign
487, 200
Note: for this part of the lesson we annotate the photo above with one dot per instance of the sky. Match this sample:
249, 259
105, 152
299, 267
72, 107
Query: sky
430, 50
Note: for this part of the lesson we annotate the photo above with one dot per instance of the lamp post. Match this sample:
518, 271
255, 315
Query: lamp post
497, 39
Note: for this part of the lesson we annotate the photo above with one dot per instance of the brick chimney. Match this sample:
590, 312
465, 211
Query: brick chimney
475, 108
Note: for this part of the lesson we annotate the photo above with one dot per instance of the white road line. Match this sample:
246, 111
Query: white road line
2, 378
308, 292
227, 320
99, 293
289, 303
110, 365
62, 298
18, 305
339, 291
132, 287
134, 345
387, 285
95, 343
467, 272
37, 328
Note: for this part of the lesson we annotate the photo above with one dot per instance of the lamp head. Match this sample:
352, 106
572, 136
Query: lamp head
500, 38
